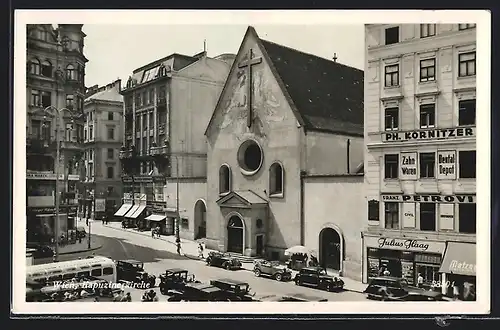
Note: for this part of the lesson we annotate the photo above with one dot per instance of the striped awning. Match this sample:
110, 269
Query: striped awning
156, 217
123, 210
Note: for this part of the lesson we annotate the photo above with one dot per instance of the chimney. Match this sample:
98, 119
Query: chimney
335, 57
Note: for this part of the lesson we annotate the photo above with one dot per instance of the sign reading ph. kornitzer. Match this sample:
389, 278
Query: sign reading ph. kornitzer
430, 198
433, 134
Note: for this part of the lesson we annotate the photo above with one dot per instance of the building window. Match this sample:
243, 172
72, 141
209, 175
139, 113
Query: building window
428, 216
427, 115
392, 75
276, 174
391, 215
111, 153
85, 134
427, 165
467, 164
184, 223
151, 95
46, 99
391, 166
462, 27
427, 30
111, 133
224, 179
145, 98
467, 64
110, 115
111, 172
35, 98
467, 112
428, 69
47, 69
91, 133
391, 119
70, 101
70, 72
467, 218
392, 35
138, 99
34, 66
373, 210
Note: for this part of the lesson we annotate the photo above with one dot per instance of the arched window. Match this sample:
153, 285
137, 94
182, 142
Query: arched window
276, 179
35, 66
224, 179
47, 69
70, 72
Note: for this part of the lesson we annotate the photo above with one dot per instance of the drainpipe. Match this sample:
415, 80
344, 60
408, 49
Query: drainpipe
348, 156
302, 215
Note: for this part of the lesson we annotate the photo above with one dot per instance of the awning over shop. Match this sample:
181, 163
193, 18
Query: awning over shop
123, 210
138, 211
131, 211
156, 217
460, 259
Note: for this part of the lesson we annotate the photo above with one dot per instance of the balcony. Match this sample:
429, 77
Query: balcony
159, 151
41, 201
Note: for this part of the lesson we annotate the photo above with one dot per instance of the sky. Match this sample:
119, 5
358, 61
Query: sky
114, 51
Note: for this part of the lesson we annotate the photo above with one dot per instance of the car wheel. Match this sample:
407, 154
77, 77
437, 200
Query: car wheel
278, 277
227, 266
256, 272
297, 282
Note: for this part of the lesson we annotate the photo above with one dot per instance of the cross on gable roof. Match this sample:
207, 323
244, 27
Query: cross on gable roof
324, 95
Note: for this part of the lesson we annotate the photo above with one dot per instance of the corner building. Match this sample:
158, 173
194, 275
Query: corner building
420, 153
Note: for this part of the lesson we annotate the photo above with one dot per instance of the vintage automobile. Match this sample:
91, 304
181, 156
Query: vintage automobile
317, 277
133, 271
273, 269
223, 260
234, 290
388, 288
43, 251
175, 279
199, 292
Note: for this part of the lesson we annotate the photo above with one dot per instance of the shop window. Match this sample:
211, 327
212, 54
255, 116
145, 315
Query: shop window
391, 162
467, 64
391, 119
373, 210
391, 215
428, 216
427, 115
392, 35
427, 165
276, 179
467, 112
184, 223
428, 70
467, 164
392, 75
224, 179
427, 30
467, 218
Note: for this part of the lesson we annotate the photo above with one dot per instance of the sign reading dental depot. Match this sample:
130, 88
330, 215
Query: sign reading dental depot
447, 165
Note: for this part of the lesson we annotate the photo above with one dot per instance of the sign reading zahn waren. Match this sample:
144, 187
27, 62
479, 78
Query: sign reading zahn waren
429, 198
433, 134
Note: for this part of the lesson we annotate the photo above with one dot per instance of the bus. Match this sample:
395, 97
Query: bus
96, 267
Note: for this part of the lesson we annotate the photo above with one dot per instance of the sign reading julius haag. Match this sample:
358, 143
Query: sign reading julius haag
447, 164
434, 134
408, 166
402, 244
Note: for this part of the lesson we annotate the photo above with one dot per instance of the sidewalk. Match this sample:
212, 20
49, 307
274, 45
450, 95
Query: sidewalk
77, 247
190, 250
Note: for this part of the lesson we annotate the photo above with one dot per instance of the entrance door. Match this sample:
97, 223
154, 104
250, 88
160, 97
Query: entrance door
260, 245
330, 254
235, 235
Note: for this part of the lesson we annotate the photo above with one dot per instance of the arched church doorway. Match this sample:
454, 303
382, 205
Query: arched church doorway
330, 248
235, 232
200, 219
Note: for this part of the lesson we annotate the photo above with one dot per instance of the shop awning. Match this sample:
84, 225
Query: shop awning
138, 211
460, 259
123, 210
131, 211
156, 217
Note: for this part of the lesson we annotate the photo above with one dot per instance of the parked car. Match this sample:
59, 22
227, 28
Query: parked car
133, 271
234, 290
222, 260
273, 269
388, 288
43, 251
199, 292
175, 279
317, 277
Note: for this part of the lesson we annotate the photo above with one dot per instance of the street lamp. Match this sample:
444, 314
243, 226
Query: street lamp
56, 170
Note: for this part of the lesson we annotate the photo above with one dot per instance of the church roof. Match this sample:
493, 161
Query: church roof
247, 196
328, 95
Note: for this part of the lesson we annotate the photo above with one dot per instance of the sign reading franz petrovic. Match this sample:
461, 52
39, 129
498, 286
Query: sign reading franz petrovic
431, 198
433, 134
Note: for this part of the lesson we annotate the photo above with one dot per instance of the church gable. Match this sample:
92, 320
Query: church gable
206, 69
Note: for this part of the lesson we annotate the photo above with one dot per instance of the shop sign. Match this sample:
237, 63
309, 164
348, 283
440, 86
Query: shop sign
462, 267
408, 215
157, 207
433, 134
447, 165
143, 179
408, 166
404, 244
446, 216
43, 176
42, 210
127, 179
430, 198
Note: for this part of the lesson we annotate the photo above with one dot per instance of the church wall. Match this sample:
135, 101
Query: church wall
190, 191
326, 153
329, 203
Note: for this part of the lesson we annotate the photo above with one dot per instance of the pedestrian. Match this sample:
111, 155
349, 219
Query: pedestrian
200, 250
456, 290
420, 280
158, 231
153, 232
179, 248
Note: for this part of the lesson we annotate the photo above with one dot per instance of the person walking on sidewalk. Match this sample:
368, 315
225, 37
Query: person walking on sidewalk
200, 251
179, 248
153, 232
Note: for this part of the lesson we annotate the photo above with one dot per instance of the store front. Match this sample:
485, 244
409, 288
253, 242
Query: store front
403, 257
459, 268
157, 216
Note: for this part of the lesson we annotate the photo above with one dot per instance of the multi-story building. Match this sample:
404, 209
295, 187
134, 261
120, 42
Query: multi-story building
420, 155
167, 104
103, 132
54, 93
